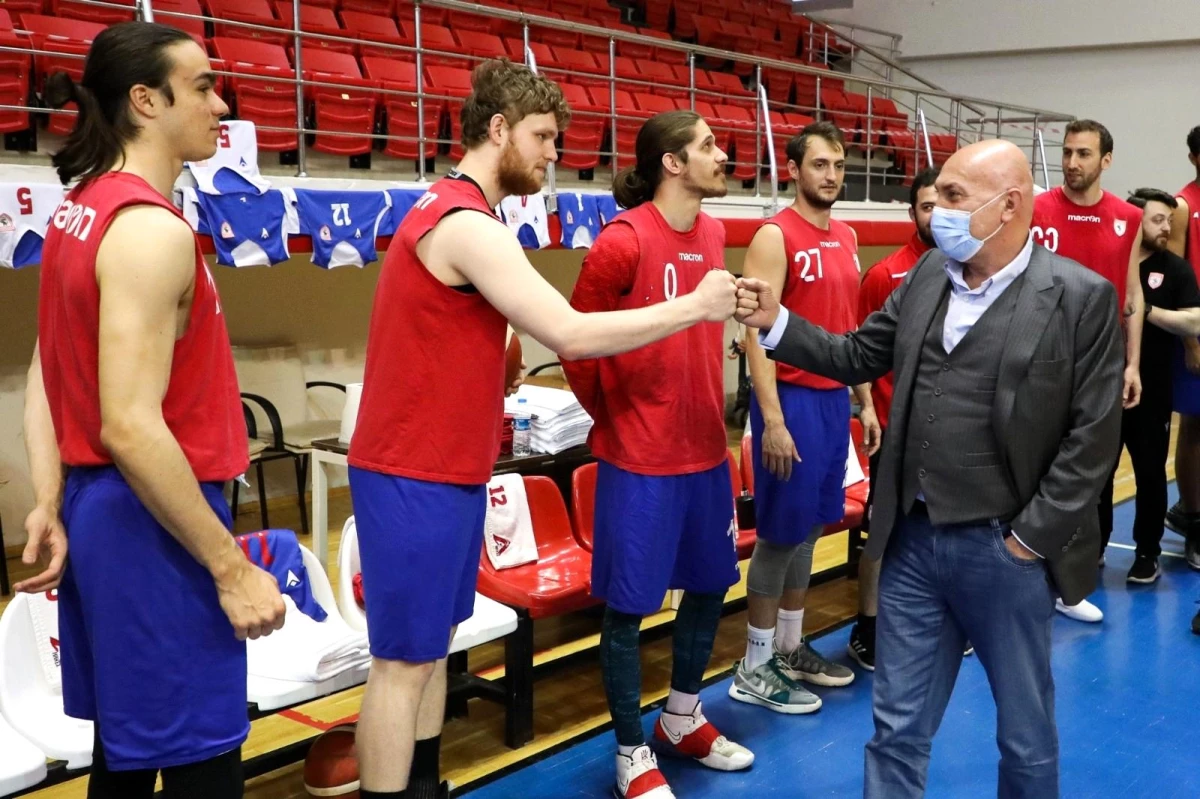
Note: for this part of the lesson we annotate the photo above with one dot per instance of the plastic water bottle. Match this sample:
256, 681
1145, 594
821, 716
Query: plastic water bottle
521, 423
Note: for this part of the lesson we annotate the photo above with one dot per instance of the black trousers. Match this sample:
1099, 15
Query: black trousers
1146, 433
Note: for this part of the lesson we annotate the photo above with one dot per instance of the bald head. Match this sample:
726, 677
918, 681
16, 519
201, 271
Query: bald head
996, 174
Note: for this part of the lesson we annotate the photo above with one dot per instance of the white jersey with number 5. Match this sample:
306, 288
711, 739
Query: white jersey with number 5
234, 168
25, 212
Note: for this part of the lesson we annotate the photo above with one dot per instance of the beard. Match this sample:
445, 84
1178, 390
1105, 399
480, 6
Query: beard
1155, 244
1083, 182
712, 189
815, 199
514, 177
925, 234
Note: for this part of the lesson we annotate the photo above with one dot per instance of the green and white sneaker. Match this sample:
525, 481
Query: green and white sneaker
806, 663
768, 686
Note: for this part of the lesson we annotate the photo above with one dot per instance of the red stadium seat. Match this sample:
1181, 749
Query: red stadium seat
583, 503
165, 10
90, 13
583, 139
560, 580
70, 37
347, 108
747, 464
266, 103
256, 12
582, 67
437, 44
380, 8
480, 45
453, 85
738, 123
401, 109
629, 119
16, 70
376, 28
315, 19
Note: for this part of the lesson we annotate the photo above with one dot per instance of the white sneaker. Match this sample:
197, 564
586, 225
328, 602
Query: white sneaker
694, 736
638, 777
1084, 611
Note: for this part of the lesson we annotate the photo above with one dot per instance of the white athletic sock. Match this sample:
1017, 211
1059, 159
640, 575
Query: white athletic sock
758, 646
789, 629
681, 704
626, 750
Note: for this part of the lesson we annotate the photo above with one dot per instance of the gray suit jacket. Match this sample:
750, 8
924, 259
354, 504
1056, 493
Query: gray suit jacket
1057, 412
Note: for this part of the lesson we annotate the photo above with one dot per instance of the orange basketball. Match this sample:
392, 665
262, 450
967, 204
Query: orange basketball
331, 767
512, 361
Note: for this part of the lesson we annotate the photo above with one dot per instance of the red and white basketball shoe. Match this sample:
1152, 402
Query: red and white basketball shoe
638, 776
693, 736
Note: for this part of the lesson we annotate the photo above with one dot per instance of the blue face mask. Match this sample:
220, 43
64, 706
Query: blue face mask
952, 231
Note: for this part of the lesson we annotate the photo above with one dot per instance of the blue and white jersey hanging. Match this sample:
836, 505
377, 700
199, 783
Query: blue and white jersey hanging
247, 229
342, 224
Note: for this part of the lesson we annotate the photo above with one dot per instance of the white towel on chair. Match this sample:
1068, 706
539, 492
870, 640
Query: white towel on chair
43, 612
508, 528
304, 650
854, 469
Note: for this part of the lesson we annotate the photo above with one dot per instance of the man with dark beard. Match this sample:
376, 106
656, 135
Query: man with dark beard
429, 422
1172, 310
664, 507
1081, 221
880, 281
800, 426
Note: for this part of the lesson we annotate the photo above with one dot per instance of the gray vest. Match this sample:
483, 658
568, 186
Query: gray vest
951, 453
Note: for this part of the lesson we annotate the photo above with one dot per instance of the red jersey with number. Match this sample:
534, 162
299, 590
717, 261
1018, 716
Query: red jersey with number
202, 407
821, 284
431, 412
1098, 236
1191, 195
658, 410
877, 285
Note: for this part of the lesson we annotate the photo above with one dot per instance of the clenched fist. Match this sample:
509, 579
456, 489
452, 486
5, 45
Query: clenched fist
717, 296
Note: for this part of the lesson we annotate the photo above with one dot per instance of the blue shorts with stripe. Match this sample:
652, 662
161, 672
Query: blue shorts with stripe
786, 511
655, 533
147, 652
419, 543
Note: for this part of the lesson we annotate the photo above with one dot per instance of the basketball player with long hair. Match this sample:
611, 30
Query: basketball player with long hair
664, 500
132, 394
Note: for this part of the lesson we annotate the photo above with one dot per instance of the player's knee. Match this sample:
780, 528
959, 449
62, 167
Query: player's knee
402, 672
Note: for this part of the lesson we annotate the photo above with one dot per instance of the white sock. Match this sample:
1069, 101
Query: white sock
789, 629
681, 704
626, 750
758, 646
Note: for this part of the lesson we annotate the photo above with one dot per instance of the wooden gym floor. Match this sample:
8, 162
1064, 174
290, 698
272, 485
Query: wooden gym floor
569, 701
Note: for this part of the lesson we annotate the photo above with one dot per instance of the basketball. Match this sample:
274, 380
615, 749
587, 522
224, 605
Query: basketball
512, 361
331, 767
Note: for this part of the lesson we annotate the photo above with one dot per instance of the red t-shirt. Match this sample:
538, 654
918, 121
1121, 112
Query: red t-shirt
658, 410
1098, 236
431, 413
821, 284
877, 285
1191, 195
202, 407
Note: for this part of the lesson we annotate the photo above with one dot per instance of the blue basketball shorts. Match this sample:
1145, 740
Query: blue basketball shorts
1185, 386
786, 511
147, 652
653, 533
419, 543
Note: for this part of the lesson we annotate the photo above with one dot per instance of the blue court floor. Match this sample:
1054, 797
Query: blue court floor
1128, 700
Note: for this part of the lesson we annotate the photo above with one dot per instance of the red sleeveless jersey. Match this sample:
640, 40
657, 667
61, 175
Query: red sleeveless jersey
1098, 236
202, 407
431, 412
1191, 195
658, 410
821, 284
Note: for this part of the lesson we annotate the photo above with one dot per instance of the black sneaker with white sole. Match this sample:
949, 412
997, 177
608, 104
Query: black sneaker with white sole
1180, 521
1144, 570
1191, 551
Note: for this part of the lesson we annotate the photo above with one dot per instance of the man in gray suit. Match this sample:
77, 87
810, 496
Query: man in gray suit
1005, 420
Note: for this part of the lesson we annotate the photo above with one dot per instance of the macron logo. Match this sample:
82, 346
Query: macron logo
831, 244
292, 579
1083, 218
694, 257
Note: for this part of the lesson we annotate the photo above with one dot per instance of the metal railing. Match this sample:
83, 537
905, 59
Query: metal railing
876, 130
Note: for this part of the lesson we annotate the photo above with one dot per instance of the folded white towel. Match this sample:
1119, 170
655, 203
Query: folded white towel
304, 650
508, 528
43, 613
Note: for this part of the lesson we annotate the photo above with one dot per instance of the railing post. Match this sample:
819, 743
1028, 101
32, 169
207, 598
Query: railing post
1045, 166
920, 120
301, 148
826, 46
420, 94
870, 137
819, 110
1033, 147
772, 164
956, 116
551, 179
145, 12
999, 121
612, 98
692, 78
758, 134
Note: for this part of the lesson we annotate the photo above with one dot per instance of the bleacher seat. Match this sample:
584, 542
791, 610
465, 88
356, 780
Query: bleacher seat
480, 45
583, 139
267, 693
438, 46
582, 68
23, 764
383, 8
583, 504
737, 123
92, 13
16, 71
165, 12
347, 108
318, 20
629, 118
266, 103
250, 12
71, 37
375, 28
401, 109
28, 701
454, 86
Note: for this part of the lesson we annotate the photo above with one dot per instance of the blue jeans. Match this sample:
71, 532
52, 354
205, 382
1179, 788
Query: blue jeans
940, 587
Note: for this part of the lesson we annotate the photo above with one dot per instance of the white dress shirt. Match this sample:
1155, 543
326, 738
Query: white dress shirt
966, 306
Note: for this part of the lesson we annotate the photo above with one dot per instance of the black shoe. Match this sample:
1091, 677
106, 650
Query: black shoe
862, 646
968, 650
1145, 570
1196, 623
1191, 551
1180, 521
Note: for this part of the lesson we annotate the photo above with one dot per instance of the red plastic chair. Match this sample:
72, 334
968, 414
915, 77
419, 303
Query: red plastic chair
454, 85
375, 28
193, 26
15, 74
347, 108
738, 124
401, 109
266, 103
439, 48
256, 12
583, 139
583, 504
315, 19
89, 13
71, 37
